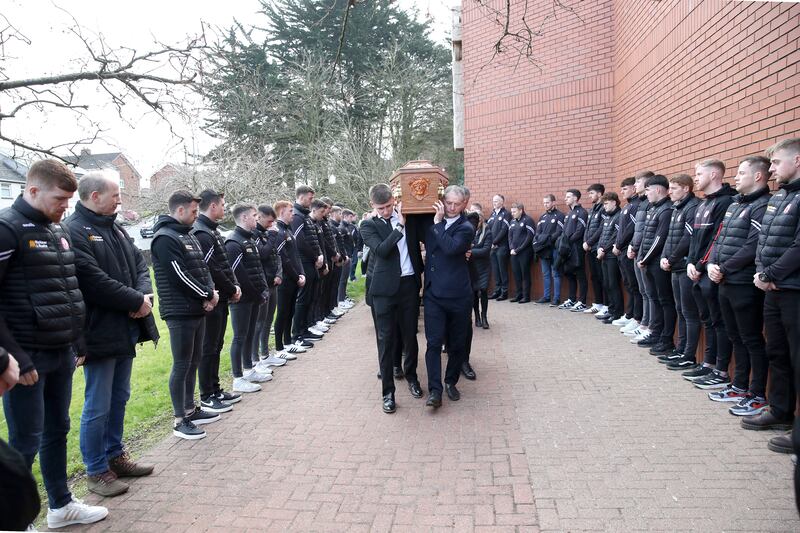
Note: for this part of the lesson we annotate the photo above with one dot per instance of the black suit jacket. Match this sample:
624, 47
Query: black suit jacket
384, 257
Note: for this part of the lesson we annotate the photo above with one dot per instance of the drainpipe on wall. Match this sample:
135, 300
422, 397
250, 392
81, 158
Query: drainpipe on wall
458, 82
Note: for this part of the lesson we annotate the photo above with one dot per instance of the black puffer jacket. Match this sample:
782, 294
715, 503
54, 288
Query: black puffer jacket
778, 252
207, 234
707, 220
291, 265
735, 248
656, 227
114, 278
680, 232
627, 223
594, 226
267, 245
638, 226
246, 264
609, 233
479, 263
305, 235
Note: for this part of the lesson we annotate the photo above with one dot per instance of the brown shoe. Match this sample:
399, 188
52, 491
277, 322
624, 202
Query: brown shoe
765, 420
781, 443
124, 466
107, 484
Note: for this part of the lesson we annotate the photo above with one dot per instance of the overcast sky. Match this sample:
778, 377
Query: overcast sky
144, 139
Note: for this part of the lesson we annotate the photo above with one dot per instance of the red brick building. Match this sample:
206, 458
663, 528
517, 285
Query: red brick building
630, 85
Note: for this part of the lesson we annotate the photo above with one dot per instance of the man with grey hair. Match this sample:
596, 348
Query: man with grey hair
448, 292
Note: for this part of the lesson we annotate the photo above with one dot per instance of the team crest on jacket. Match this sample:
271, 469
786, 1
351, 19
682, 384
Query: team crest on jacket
64, 243
573, 216
788, 208
552, 220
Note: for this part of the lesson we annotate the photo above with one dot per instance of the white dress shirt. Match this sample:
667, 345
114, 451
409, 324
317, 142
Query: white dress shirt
406, 266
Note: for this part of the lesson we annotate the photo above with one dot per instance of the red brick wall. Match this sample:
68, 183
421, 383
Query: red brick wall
632, 84
130, 177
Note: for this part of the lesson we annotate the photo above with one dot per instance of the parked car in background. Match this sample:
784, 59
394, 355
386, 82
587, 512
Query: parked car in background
146, 232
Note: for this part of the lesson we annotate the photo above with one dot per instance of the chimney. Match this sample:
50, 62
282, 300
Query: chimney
85, 152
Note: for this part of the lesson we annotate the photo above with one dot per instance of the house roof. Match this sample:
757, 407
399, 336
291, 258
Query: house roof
12, 170
90, 161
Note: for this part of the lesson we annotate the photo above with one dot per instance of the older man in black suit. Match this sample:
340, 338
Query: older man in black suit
394, 289
448, 292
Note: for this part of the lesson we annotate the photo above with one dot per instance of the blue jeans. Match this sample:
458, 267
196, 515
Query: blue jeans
38, 420
108, 387
547, 270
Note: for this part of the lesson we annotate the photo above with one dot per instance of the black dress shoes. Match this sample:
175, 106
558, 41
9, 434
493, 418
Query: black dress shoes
434, 399
415, 389
524, 300
452, 392
398, 373
468, 372
515, 299
388, 404
494, 295
502, 297
485, 323
478, 322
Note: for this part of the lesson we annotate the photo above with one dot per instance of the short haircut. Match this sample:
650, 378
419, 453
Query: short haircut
575, 192
380, 193
597, 187
208, 197
181, 198
457, 189
476, 204
267, 211
551, 197
318, 204
684, 180
240, 209
327, 201
518, 205
627, 182
501, 196
302, 190
643, 174
790, 145
91, 182
336, 209
49, 173
610, 196
280, 205
347, 212
759, 164
715, 164
659, 180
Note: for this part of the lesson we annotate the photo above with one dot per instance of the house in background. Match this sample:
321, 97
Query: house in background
12, 179
129, 177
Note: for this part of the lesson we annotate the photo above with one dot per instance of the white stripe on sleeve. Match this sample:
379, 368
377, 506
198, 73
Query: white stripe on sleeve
187, 281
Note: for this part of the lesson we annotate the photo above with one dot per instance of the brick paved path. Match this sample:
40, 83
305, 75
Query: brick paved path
547, 439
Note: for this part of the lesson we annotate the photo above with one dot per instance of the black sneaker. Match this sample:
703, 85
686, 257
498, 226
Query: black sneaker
199, 417
602, 316
312, 336
543, 300
662, 349
229, 397
684, 363
714, 380
185, 429
648, 341
697, 373
213, 405
669, 358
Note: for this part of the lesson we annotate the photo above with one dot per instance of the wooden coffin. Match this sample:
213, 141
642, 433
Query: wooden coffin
418, 184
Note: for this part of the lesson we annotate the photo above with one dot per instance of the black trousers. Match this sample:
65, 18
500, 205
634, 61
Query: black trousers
396, 323
284, 312
676, 278
521, 265
445, 319
319, 301
305, 299
596, 271
611, 285
213, 339
781, 317
269, 316
332, 296
578, 284
499, 260
662, 309
706, 294
633, 306
186, 342
691, 317
742, 309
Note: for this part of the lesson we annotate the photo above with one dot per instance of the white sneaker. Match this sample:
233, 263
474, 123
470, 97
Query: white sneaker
273, 360
286, 354
315, 331
322, 326
604, 309
262, 367
629, 327
345, 305
254, 376
621, 321
640, 337
329, 321
242, 385
337, 312
595, 308
293, 349
75, 512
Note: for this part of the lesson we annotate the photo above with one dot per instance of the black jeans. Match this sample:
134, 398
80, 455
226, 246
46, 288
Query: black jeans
718, 346
596, 271
396, 323
38, 420
287, 298
743, 313
691, 317
681, 321
499, 260
781, 317
305, 299
521, 265
662, 309
611, 285
445, 319
186, 341
633, 306
578, 284
243, 320
213, 339
262, 346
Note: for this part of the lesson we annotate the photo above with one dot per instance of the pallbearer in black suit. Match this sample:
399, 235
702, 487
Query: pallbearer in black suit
448, 292
396, 264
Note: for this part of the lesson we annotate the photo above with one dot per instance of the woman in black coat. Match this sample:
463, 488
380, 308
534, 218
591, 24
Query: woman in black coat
480, 268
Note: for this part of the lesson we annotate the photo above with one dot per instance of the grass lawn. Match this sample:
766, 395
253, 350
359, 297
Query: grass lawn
149, 410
